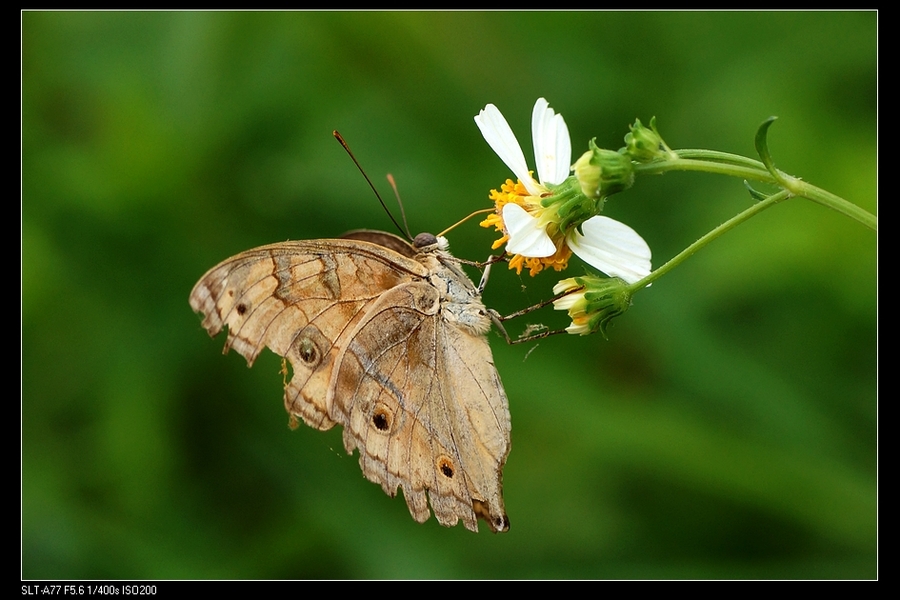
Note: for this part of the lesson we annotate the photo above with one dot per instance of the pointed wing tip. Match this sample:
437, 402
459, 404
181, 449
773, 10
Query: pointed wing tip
496, 520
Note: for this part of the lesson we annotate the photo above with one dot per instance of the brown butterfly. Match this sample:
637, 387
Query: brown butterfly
387, 339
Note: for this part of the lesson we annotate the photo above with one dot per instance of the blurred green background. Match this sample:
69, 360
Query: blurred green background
727, 429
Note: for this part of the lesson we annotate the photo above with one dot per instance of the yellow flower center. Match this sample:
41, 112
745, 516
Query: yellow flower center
517, 193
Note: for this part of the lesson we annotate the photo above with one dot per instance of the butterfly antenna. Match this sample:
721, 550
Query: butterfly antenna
464, 219
393, 184
340, 139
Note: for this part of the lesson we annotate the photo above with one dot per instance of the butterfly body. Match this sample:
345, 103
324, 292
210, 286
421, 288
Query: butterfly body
387, 339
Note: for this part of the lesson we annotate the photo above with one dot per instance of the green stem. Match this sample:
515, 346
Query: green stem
706, 166
806, 190
723, 163
722, 157
709, 237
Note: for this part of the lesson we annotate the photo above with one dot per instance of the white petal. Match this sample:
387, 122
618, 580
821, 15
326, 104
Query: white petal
566, 302
565, 285
499, 136
613, 247
552, 146
526, 237
578, 329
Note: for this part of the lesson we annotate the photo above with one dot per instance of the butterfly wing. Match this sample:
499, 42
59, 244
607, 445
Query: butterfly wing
422, 401
301, 299
372, 348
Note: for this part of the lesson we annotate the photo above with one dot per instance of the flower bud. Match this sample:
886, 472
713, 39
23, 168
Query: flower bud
592, 302
643, 144
603, 172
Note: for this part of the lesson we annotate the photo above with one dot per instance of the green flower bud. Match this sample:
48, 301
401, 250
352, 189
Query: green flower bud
644, 144
587, 174
592, 302
603, 172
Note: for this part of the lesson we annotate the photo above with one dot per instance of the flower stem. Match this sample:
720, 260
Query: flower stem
706, 166
825, 198
709, 237
721, 157
723, 163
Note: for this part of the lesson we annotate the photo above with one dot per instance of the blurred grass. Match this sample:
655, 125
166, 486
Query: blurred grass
726, 429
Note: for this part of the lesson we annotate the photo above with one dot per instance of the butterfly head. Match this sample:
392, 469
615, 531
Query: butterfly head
426, 240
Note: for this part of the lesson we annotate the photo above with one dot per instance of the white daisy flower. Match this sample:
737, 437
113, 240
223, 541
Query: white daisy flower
531, 230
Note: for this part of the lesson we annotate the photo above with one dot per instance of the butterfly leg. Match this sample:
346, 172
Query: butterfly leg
528, 335
484, 276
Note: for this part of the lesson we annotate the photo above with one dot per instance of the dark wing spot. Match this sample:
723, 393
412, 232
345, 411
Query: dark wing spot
502, 523
381, 420
241, 308
446, 467
307, 351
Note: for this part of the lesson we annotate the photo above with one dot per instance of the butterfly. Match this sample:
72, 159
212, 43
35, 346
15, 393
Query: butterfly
389, 340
